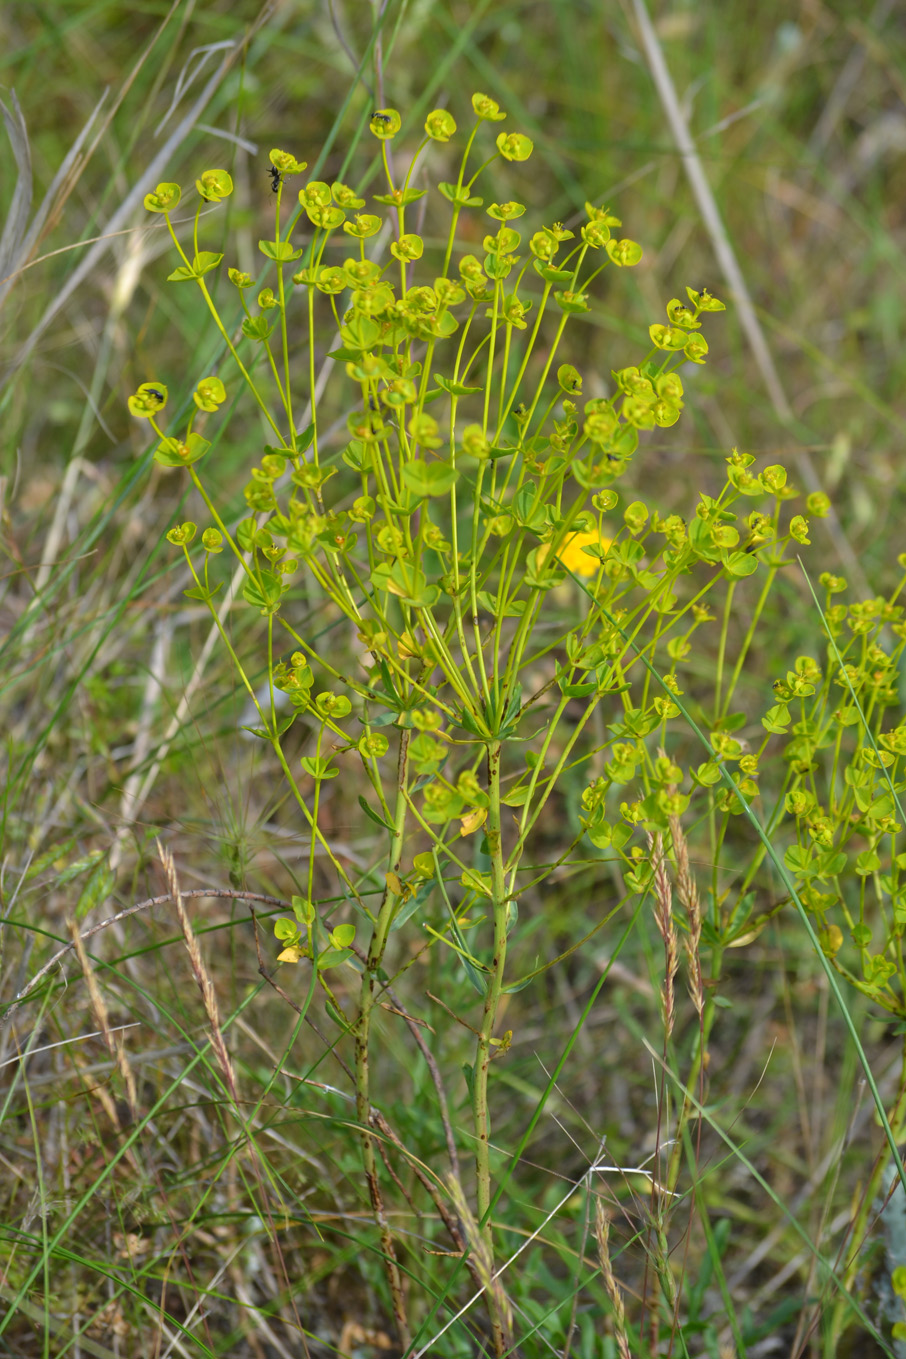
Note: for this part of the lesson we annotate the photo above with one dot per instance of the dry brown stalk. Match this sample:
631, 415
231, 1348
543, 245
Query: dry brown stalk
687, 891
484, 1264
602, 1236
115, 1045
202, 976
663, 915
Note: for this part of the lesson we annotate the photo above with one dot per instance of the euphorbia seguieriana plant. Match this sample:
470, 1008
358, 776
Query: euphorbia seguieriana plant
469, 523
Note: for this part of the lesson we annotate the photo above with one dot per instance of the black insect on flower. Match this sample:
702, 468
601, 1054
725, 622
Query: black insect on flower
275, 177
158, 396
381, 118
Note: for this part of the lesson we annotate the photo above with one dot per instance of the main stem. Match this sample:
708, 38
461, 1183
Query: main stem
485, 1044
379, 935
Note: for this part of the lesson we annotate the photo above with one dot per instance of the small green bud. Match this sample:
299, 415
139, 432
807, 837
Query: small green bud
333, 705
385, 124
818, 504
448, 293
471, 271
505, 212
543, 246
474, 442
408, 247
440, 125
595, 235
696, 348
600, 425
423, 430
316, 194
331, 280
363, 225
285, 163
506, 240
325, 218
150, 398
209, 394
665, 413
164, 198
515, 146
604, 500
273, 465
704, 301
668, 337
571, 302
602, 215
680, 315
799, 529
624, 253
372, 745
212, 540
240, 279
487, 109
214, 185
345, 198
639, 412
183, 535
570, 379
635, 516
514, 310
670, 387
176, 453
774, 477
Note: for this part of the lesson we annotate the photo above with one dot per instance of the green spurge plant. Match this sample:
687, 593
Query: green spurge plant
511, 606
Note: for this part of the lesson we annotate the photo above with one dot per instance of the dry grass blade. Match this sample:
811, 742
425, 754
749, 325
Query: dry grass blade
663, 916
484, 1265
17, 216
115, 1045
602, 1237
687, 891
14, 255
202, 976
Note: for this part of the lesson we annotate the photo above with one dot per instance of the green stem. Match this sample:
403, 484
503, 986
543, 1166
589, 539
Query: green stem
389, 903
486, 1043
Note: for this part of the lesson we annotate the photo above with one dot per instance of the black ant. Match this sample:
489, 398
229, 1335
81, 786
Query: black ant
381, 118
152, 391
276, 178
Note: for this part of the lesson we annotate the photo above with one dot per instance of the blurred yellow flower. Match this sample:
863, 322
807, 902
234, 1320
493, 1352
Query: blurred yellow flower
572, 556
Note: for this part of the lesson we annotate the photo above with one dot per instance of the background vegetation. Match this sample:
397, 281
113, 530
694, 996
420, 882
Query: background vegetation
140, 1214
